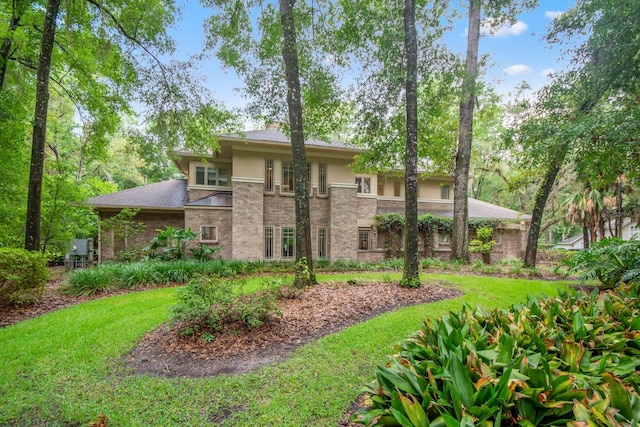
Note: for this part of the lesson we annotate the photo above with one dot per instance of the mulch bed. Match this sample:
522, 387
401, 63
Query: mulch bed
320, 311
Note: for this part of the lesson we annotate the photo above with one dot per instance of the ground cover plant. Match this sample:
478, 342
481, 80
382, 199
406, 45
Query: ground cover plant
551, 361
69, 366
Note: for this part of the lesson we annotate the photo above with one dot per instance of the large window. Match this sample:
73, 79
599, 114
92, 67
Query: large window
268, 242
444, 192
364, 185
322, 242
364, 240
288, 242
287, 177
212, 176
209, 234
268, 175
396, 188
322, 179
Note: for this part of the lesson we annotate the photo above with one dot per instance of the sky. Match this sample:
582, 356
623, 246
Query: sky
517, 53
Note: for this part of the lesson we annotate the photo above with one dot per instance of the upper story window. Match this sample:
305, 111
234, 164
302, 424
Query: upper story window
445, 191
287, 177
212, 175
268, 175
322, 179
396, 188
364, 185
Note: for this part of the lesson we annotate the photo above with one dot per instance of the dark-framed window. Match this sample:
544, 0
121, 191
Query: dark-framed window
288, 242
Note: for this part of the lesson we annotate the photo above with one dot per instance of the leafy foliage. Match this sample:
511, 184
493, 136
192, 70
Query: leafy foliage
611, 261
483, 243
209, 306
23, 275
172, 243
547, 362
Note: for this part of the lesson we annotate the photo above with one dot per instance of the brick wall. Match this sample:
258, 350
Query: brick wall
152, 221
247, 220
343, 235
220, 218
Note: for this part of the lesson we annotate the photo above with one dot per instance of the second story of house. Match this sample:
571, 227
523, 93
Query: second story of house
264, 157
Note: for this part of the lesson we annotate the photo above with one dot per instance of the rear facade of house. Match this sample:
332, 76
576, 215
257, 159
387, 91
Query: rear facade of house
241, 199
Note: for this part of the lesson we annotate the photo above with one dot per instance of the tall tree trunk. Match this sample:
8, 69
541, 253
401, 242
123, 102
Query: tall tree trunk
32, 235
304, 276
411, 275
542, 195
460, 235
618, 207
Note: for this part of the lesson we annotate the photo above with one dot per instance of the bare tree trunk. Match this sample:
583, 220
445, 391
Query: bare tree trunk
618, 207
304, 276
460, 235
538, 209
32, 235
411, 275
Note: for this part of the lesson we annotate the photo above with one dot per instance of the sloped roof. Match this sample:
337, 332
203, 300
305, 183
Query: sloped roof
169, 194
571, 240
274, 134
477, 210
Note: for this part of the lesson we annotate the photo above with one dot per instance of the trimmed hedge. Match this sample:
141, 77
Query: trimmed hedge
570, 360
23, 275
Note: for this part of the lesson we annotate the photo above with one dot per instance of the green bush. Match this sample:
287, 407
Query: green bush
23, 275
208, 306
569, 360
611, 261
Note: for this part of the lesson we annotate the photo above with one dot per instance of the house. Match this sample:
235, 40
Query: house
630, 229
241, 199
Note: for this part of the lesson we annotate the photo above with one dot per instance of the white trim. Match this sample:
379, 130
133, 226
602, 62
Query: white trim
367, 195
222, 208
215, 240
247, 180
208, 187
342, 185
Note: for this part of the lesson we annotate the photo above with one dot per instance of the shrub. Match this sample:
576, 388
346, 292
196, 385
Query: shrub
550, 361
172, 243
208, 306
483, 243
23, 275
204, 252
611, 261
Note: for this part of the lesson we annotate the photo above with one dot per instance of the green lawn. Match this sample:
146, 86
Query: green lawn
67, 367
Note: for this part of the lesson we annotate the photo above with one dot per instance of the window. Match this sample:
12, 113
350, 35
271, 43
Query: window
497, 238
322, 242
268, 242
364, 185
396, 188
287, 177
444, 192
309, 177
322, 179
380, 187
364, 240
208, 233
288, 242
214, 176
268, 175
444, 238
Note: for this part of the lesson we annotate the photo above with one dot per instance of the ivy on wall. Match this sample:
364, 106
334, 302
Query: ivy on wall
428, 225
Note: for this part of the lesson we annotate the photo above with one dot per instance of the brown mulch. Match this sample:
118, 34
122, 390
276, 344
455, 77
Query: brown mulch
320, 311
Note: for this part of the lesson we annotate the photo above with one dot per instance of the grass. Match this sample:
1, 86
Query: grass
69, 366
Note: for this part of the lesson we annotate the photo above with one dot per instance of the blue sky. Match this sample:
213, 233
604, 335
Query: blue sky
517, 53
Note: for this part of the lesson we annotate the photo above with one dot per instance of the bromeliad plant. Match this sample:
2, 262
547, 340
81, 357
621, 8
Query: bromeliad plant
571, 359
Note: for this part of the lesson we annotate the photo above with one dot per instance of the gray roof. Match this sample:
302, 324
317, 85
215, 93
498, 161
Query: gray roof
477, 210
166, 195
274, 134
571, 240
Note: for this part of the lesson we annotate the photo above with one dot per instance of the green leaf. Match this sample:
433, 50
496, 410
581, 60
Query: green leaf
620, 399
462, 382
414, 411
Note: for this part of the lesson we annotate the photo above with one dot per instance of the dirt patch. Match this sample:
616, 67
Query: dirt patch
321, 310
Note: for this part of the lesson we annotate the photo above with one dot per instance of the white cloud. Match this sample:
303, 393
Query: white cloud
518, 70
547, 72
503, 31
553, 14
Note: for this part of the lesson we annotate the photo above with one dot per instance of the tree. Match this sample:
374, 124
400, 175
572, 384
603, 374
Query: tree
411, 274
496, 14
288, 82
294, 102
604, 78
